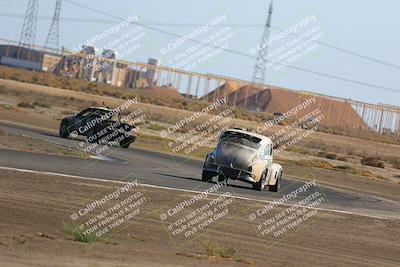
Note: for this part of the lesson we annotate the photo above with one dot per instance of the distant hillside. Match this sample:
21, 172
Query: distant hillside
275, 99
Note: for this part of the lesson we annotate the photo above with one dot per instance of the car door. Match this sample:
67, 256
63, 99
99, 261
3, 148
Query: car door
83, 118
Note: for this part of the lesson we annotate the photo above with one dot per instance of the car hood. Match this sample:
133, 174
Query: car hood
234, 155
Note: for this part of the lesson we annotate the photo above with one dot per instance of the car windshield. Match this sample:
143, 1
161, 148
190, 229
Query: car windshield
90, 112
242, 139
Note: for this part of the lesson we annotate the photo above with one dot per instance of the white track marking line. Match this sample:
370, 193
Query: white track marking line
342, 189
182, 190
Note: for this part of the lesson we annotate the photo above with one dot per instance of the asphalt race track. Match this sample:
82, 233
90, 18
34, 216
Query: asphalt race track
164, 170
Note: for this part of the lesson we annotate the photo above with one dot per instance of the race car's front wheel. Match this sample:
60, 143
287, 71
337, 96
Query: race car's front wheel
222, 178
277, 185
207, 176
64, 129
259, 186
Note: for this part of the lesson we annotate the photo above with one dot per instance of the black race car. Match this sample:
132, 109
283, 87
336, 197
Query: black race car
98, 125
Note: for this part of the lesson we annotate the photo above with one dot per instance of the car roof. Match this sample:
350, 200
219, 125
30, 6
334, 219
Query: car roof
263, 138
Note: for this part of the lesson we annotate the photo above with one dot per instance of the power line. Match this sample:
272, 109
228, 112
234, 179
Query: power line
346, 51
236, 52
240, 53
237, 25
151, 23
15, 15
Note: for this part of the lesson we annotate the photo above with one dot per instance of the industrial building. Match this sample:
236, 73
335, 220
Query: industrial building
28, 58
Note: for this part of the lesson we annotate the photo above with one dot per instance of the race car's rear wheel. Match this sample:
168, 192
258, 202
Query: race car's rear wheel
277, 185
64, 129
207, 176
127, 141
260, 185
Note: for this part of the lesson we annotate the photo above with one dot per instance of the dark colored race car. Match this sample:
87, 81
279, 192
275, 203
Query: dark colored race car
98, 125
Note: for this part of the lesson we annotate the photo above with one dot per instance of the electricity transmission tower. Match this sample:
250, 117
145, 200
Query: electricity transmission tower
53, 35
28, 32
261, 60
259, 69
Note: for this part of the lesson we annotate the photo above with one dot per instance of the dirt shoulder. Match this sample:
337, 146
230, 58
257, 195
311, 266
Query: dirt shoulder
355, 183
35, 208
36, 145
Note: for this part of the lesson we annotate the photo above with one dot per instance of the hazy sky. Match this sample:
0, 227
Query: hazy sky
363, 26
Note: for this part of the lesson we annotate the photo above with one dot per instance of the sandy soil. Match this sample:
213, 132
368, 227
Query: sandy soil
24, 143
34, 208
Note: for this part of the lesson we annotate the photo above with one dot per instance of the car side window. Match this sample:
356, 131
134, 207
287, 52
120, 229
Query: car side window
84, 114
268, 151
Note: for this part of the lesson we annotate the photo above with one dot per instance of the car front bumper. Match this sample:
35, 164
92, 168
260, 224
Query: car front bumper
231, 173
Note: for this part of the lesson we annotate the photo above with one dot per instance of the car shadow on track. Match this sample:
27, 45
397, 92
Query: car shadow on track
78, 138
199, 180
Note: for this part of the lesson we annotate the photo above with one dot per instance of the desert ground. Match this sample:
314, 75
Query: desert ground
37, 230
34, 210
